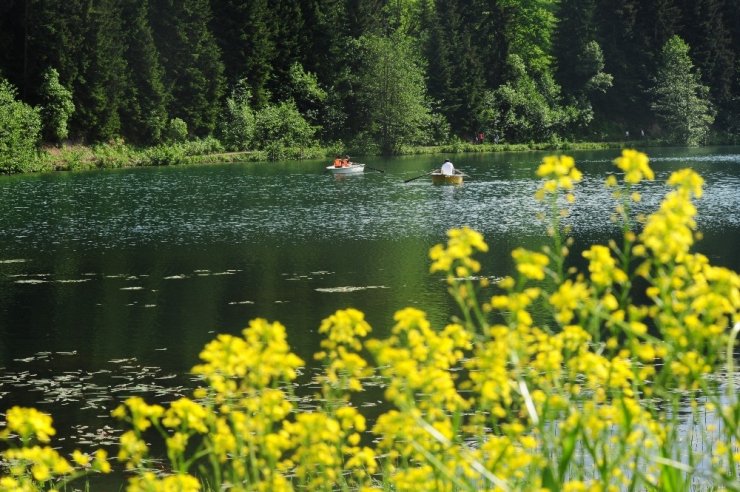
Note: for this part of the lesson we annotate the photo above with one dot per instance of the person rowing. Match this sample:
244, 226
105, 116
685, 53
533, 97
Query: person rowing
447, 168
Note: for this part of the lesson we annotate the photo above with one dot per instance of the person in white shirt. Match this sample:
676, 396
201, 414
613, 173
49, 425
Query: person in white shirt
447, 168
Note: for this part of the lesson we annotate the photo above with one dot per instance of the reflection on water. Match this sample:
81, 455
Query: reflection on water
149, 264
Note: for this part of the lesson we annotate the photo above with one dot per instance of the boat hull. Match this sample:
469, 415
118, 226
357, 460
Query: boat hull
439, 178
352, 169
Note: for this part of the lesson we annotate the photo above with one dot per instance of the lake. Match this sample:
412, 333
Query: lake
111, 282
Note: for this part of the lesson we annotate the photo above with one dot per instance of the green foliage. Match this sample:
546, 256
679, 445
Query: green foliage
309, 96
591, 69
113, 154
133, 65
437, 130
526, 108
57, 107
529, 29
282, 125
681, 102
177, 130
392, 92
164, 155
20, 128
236, 125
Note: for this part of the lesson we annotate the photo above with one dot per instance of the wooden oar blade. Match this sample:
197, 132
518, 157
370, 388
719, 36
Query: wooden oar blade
417, 177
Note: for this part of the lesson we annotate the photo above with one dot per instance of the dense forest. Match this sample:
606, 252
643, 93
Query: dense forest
372, 73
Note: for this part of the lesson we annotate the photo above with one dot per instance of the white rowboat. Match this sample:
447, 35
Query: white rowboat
353, 168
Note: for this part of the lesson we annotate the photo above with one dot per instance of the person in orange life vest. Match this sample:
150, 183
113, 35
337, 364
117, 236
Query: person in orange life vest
337, 162
345, 161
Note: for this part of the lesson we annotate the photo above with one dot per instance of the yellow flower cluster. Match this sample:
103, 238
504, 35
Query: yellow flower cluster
558, 173
457, 256
32, 467
635, 165
28, 424
603, 267
530, 263
149, 482
344, 367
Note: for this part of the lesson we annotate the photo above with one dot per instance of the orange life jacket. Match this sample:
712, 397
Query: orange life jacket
337, 162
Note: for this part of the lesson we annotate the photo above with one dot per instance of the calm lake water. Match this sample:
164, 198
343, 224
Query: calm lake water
111, 282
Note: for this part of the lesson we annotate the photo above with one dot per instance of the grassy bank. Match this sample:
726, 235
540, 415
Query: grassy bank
117, 154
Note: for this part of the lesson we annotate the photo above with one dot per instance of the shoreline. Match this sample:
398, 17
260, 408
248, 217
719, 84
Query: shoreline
118, 155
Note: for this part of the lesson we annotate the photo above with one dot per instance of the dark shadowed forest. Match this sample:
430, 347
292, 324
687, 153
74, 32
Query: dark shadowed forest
373, 74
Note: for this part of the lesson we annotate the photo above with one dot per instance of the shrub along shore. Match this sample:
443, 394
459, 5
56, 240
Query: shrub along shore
117, 154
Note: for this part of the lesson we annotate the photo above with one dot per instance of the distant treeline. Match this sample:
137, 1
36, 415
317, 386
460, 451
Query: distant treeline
375, 74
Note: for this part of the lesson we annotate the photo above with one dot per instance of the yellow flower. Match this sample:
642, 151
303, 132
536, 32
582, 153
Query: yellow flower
132, 449
344, 327
635, 165
80, 458
29, 423
568, 298
141, 413
688, 181
530, 264
461, 245
602, 266
186, 415
559, 173
101, 463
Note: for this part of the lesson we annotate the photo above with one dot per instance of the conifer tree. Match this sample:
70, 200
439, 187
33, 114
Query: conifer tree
144, 113
455, 69
290, 40
191, 60
575, 28
101, 86
681, 103
707, 33
244, 35
55, 33
13, 27
627, 60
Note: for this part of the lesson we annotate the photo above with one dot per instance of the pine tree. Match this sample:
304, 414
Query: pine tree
627, 60
575, 29
290, 40
144, 114
681, 102
13, 27
55, 37
244, 35
191, 60
710, 40
99, 91
455, 63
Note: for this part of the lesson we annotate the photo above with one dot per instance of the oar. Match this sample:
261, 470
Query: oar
425, 174
374, 168
368, 167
